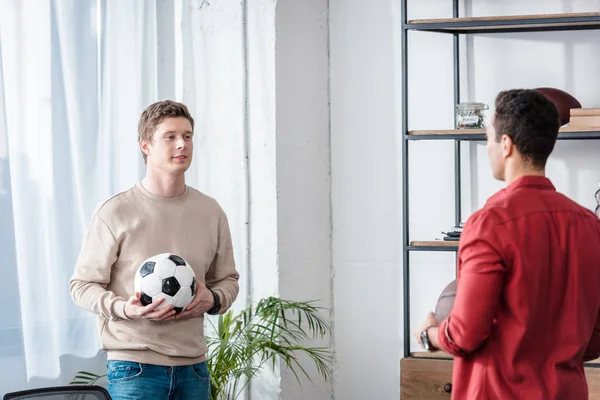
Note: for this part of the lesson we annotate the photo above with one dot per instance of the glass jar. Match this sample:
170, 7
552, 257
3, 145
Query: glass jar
470, 115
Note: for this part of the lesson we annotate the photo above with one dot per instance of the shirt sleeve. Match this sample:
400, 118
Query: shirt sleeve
93, 270
222, 277
481, 270
593, 348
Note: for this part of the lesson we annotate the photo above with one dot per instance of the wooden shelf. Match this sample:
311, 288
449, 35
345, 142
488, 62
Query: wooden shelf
509, 23
448, 132
564, 133
565, 129
427, 354
557, 17
444, 355
435, 243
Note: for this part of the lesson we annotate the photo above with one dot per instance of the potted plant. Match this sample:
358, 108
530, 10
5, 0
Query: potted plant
241, 344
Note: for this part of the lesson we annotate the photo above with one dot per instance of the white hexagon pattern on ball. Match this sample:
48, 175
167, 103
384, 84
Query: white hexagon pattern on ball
184, 275
151, 285
165, 268
184, 297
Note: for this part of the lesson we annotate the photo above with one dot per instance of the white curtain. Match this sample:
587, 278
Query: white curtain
74, 78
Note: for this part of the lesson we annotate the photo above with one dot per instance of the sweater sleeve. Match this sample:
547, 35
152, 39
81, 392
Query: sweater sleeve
93, 271
222, 277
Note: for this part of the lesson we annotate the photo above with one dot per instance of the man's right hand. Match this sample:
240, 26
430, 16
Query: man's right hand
134, 309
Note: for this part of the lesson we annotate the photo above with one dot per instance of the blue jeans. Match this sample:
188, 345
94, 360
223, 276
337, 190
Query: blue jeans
134, 381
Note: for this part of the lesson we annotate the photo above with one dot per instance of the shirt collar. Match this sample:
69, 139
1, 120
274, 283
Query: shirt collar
540, 182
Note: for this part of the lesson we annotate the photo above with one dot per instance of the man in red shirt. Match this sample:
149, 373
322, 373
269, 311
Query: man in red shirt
526, 312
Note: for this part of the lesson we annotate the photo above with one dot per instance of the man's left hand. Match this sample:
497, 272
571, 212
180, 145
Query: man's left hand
203, 301
429, 322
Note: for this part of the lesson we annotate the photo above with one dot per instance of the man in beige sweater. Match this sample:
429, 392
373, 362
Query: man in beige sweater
155, 353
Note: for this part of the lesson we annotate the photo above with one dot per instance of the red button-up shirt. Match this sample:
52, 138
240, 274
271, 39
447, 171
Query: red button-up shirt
526, 312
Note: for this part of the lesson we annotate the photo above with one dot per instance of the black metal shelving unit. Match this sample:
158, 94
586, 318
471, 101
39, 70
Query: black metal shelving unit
461, 26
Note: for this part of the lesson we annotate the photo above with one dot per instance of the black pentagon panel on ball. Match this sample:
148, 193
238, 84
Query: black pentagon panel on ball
193, 287
178, 309
145, 299
147, 268
170, 286
176, 259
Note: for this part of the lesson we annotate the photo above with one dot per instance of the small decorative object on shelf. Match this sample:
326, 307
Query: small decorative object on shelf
454, 233
584, 118
470, 115
562, 100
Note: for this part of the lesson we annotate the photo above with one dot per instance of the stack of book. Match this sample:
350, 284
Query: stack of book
454, 233
584, 118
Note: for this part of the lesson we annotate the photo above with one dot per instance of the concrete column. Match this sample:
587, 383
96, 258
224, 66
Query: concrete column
271, 58
303, 168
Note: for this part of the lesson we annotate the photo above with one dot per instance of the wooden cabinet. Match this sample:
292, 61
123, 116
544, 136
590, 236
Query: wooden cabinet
424, 379
592, 373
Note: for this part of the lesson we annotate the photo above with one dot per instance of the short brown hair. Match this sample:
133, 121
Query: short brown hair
155, 113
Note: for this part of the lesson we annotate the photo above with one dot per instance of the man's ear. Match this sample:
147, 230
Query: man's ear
145, 147
508, 147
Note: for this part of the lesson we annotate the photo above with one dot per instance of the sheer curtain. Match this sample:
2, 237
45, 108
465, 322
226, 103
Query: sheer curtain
74, 78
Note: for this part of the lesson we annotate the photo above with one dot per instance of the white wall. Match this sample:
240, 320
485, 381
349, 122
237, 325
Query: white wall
264, 78
365, 196
303, 170
288, 148
366, 159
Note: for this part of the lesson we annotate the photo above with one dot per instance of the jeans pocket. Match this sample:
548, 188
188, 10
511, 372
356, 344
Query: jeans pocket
122, 370
201, 371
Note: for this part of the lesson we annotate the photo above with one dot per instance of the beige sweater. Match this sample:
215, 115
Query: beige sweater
131, 227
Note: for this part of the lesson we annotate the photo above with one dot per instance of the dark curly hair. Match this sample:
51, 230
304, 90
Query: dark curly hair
531, 120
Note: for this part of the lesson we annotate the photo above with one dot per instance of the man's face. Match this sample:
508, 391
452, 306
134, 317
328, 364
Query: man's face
172, 146
494, 151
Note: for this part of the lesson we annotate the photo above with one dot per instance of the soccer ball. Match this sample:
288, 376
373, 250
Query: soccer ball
168, 276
